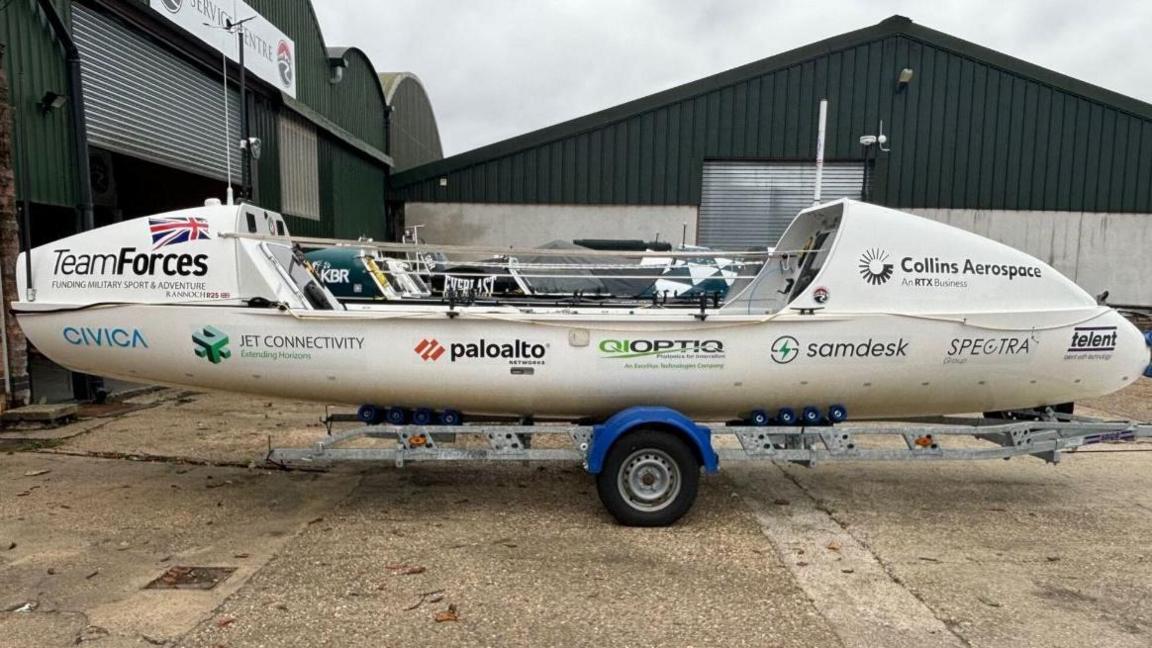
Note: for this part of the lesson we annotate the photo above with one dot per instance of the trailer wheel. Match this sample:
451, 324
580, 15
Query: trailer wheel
759, 418
649, 478
368, 414
422, 416
396, 415
451, 417
786, 416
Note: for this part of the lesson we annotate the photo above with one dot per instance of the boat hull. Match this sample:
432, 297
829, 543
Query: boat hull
575, 365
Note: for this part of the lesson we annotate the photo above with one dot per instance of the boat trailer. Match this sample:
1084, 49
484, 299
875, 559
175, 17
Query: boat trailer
647, 460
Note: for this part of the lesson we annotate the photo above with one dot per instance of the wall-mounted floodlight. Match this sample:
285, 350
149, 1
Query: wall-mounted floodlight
338, 64
253, 146
51, 101
904, 79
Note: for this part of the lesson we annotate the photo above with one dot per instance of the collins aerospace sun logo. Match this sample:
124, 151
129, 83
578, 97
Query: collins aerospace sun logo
874, 266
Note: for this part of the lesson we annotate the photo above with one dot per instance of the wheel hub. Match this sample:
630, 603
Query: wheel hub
649, 479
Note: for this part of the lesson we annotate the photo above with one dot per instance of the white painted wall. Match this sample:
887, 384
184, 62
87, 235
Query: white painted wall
530, 225
1098, 251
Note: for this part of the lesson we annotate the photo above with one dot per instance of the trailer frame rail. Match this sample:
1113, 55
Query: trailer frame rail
809, 445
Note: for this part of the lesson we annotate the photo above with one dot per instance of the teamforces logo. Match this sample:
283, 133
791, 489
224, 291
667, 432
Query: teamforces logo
211, 344
129, 261
284, 63
515, 352
1092, 343
165, 231
786, 348
874, 266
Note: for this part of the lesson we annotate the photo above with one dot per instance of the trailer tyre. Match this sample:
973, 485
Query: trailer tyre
451, 417
396, 415
422, 416
759, 418
368, 414
649, 478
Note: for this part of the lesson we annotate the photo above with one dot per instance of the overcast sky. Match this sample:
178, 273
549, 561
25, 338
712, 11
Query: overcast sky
495, 69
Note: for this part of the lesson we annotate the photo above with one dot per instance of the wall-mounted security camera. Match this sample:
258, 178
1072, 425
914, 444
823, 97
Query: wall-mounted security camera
879, 139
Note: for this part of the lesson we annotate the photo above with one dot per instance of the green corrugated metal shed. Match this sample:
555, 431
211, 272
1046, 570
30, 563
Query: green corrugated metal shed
349, 115
34, 62
974, 129
413, 137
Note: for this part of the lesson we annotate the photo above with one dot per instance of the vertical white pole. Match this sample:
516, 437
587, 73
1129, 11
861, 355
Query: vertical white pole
227, 124
820, 150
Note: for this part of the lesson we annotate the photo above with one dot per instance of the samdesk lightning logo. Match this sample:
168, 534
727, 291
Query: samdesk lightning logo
785, 349
212, 343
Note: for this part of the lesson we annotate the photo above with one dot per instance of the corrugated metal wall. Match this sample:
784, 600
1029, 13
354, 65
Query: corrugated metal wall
356, 103
358, 196
35, 64
964, 134
265, 124
413, 137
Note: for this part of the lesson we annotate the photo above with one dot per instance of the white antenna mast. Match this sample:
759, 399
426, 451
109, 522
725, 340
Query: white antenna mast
823, 123
227, 128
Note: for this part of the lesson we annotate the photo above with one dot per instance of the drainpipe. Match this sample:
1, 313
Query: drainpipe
84, 386
76, 105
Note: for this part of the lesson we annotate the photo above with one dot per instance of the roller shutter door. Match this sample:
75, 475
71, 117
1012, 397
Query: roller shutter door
749, 204
144, 101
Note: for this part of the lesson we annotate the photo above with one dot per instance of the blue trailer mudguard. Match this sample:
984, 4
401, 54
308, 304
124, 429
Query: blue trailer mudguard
606, 433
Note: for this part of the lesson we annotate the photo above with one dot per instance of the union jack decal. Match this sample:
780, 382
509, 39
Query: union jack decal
170, 230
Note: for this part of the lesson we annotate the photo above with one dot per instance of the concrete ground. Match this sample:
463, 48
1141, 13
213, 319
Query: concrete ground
967, 554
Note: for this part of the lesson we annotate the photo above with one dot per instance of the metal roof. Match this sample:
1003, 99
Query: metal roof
892, 26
